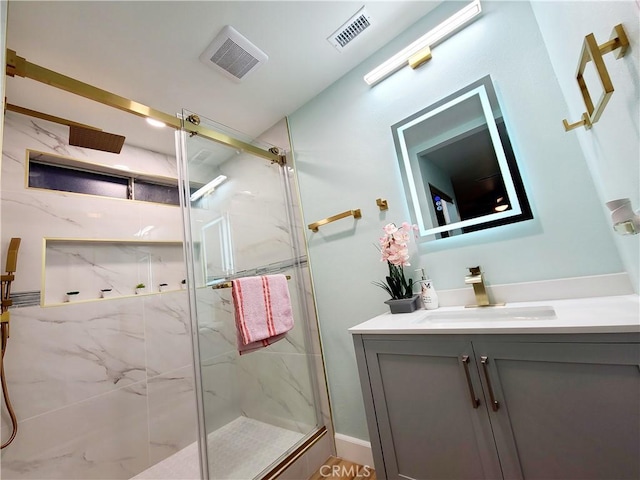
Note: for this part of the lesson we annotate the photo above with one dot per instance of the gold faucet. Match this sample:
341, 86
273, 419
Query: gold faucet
475, 279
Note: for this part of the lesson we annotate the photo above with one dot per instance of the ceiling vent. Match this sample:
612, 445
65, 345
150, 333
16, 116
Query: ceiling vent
350, 29
233, 55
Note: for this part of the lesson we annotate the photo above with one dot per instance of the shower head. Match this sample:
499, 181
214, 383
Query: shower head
80, 135
95, 139
12, 255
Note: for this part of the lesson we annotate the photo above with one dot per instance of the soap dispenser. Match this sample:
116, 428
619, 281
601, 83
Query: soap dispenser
427, 292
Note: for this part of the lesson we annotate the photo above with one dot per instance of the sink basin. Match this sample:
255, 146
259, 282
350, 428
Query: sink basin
488, 314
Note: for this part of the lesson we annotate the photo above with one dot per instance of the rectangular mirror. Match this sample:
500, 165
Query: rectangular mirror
458, 167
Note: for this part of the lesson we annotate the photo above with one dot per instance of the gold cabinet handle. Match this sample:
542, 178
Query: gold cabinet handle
495, 405
314, 226
465, 363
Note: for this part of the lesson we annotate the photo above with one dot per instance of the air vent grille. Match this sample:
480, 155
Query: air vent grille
350, 29
234, 59
233, 55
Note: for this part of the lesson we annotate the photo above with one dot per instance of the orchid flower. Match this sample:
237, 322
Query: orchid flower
395, 251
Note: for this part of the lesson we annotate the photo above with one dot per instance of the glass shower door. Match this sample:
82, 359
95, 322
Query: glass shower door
255, 408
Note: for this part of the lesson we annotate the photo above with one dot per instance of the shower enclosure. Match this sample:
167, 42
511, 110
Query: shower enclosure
240, 220
102, 375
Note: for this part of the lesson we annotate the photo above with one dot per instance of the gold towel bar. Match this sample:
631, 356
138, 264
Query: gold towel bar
228, 284
314, 226
592, 52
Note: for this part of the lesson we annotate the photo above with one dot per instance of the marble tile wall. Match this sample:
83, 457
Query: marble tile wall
105, 388
275, 385
89, 267
33, 214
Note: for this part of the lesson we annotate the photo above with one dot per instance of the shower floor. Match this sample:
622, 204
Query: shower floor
240, 450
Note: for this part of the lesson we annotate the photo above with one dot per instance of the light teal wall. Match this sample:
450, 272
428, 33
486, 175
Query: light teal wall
345, 159
612, 146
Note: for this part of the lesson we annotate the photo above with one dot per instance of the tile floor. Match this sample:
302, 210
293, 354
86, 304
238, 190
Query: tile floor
238, 451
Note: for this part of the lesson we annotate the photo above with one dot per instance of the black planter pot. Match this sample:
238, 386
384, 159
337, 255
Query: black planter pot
404, 305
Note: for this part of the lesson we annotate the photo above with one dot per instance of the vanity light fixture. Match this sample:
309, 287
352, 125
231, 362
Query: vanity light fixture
208, 188
420, 51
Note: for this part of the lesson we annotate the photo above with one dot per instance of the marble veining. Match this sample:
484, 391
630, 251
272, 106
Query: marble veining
172, 413
276, 388
72, 354
83, 376
220, 390
41, 135
89, 267
88, 444
41, 207
58, 144
104, 389
167, 332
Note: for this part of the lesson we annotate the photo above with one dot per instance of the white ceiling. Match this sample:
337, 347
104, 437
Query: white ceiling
148, 52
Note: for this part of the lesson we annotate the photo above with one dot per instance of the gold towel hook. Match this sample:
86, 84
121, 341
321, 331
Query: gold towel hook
382, 204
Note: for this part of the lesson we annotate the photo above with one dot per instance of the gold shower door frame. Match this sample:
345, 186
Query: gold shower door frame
21, 67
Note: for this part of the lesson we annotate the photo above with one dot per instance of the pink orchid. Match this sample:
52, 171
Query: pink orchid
394, 250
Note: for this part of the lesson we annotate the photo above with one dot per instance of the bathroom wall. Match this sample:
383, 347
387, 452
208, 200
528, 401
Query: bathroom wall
345, 159
101, 388
612, 147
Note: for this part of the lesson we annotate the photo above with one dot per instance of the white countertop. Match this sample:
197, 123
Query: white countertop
615, 314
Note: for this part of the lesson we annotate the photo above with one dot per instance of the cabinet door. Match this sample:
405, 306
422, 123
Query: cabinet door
566, 411
429, 423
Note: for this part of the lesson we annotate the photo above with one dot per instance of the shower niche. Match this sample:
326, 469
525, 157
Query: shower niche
86, 270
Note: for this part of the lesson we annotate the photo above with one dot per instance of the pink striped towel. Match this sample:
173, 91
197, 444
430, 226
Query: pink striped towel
262, 310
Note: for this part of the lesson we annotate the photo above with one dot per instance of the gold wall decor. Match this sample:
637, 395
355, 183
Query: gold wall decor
592, 52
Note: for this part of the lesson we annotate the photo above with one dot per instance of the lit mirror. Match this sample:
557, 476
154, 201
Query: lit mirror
458, 167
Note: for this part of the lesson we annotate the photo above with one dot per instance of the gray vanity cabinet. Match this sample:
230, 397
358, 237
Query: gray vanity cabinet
548, 406
568, 411
430, 424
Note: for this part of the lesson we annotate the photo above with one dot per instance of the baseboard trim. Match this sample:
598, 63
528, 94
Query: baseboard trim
353, 449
